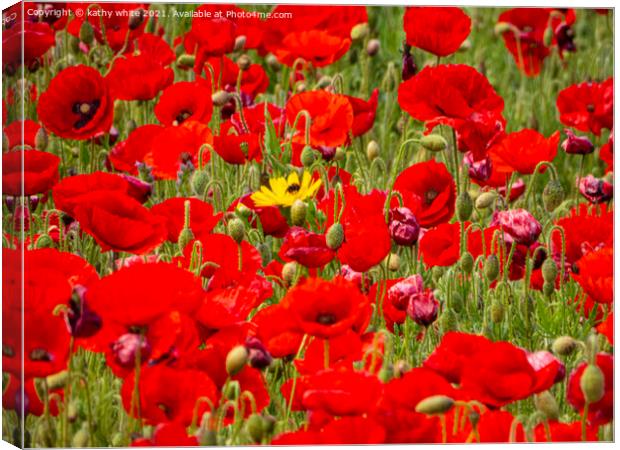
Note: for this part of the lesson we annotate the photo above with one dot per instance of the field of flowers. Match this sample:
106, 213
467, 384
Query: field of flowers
306, 225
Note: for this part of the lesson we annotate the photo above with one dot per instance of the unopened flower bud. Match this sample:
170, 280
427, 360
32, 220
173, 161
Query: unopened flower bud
44, 241
298, 212
467, 262
236, 360
340, 154
448, 320
548, 288
41, 140
199, 181
552, 195
393, 262
81, 438
373, 47
220, 98
592, 384
548, 36
244, 62
360, 31
232, 390
240, 43
491, 267
289, 270
409, 68
273, 62
564, 345
549, 270
334, 236
185, 237
372, 150
186, 60
545, 403
437, 272
433, 142
57, 380
255, 427
485, 200
307, 156
497, 310
464, 206
130, 125
236, 230
435, 404
87, 34
501, 28
324, 82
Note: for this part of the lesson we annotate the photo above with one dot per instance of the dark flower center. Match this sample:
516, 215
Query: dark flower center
590, 107
429, 196
326, 319
86, 111
38, 354
293, 188
182, 117
8, 351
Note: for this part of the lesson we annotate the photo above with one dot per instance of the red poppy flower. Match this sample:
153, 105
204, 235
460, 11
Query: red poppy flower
440, 246
348, 430
331, 117
363, 113
138, 77
210, 35
201, 219
156, 48
429, 191
169, 405
477, 135
438, 30
140, 294
602, 411
318, 47
126, 154
564, 432
34, 39
607, 153
529, 51
595, 274
497, 426
185, 100
13, 132
278, 330
237, 148
606, 328
119, 223
38, 174
77, 104
167, 434
587, 106
326, 308
448, 94
268, 218
307, 248
343, 350
523, 150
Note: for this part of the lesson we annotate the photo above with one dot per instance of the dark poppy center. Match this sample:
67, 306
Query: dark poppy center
326, 319
293, 188
429, 196
166, 409
182, 117
86, 111
8, 351
590, 107
39, 354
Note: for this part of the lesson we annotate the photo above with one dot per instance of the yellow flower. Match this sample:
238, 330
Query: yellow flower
284, 191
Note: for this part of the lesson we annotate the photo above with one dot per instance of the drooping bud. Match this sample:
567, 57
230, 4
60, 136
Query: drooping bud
236, 230
497, 310
255, 427
564, 345
339, 155
57, 380
307, 157
464, 206
130, 126
334, 236
448, 320
373, 47
186, 60
87, 34
549, 270
236, 359
44, 241
289, 270
435, 404
501, 28
404, 227
199, 181
545, 403
491, 267
220, 98
232, 390
372, 150
485, 200
552, 195
298, 212
41, 140
467, 262
360, 31
437, 272
433, 142
592, 384
577, 145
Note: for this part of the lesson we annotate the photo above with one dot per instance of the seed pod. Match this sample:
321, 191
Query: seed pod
244, 62
372, 150
236, 360
592, 384
467, 262
435, 404
298, 212
289, 270
485, 200
564, 346
87, 34
548, 288
497, 310
44, 241
335, 236
307, 156
373, 47
394, 262
220, 98
549, 270
186, 60
236, 230
433, 142
553, 195
199, 181
464, 206
491, 267
255, 427
545, 403
41, 140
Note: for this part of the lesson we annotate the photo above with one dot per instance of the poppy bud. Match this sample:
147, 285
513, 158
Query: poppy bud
236, 230
44, 241
403, 226
546, 404
289, 270
118, 440
485, 200
437, 272
5, 142
324, 82
87, 34
548, 289
232, 390
185, 237
298, 212
360, 31
265, 253
564, 346
335, 236
592, 384
385, 374
80, 439
244, 62
269, 423
501, 28
409, 68
433, 142
467, 262
548, 36
240, 43
255, 428
549, 270
208, 438
57, 380
457, 301
307, 156
199, 181
236, 360
72, 411
393, 262
497, 310
400, 368
553, 195
435, 404
74, 44
220, 98
339, 155
40, 139
491, 267
464, 206
373, 47
423, 308
186, 60
258, 355
372, 150
577, 145
273, 62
